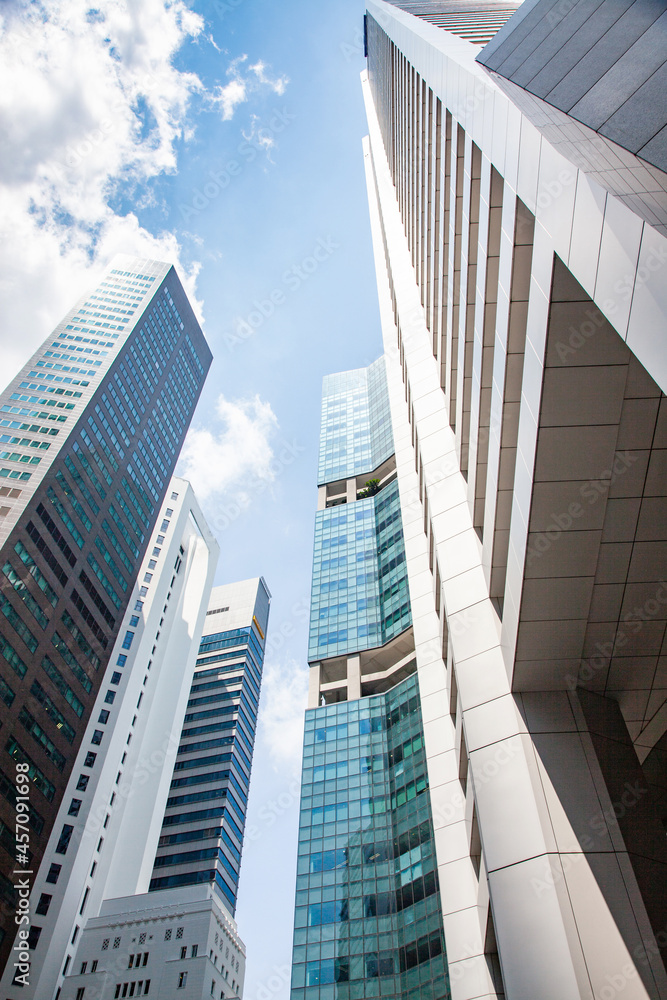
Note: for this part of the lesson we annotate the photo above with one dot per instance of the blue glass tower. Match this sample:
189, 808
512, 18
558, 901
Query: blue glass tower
368, 919
202, 830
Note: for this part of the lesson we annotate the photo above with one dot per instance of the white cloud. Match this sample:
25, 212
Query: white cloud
236, 458
233, 93
91, 104
241, 86
88, 99
277, 86
281, 718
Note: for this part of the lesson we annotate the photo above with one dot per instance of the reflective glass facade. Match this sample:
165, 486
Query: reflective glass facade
360, 593
355, 435
202, 830
368, 920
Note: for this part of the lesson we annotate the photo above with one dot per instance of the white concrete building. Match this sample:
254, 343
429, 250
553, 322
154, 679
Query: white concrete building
520, 256
181, 875
179, 943
105, 838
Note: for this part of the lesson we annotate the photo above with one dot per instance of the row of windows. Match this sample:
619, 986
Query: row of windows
82, 784
383, 963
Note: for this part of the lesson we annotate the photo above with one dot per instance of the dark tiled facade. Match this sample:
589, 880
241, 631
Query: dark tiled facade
75, 530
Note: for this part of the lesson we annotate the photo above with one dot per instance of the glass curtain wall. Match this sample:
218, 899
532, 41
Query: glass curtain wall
368, 918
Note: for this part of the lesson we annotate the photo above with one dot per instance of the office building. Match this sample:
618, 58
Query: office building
368, 916
92, 427
104, 839
202, 829
518, 200
178, 943
168, 924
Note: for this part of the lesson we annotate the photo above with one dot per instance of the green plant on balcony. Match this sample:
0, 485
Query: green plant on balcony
370, 489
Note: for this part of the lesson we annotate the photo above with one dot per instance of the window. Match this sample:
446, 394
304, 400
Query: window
145, 953
82, 783
127, 641
167, 935
130, 962
84, 966
110, 695
43, 905
104, 717
182, 980
97, 737
33, 936
115, 679
64, 839
90, 759
80, 992
54, 872
116, 942
74, 807
170, 512
184, 952
194, 950
93, 967
122, 660
134, 621
179, 932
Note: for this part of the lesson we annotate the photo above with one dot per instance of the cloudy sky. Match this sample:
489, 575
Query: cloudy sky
223, 135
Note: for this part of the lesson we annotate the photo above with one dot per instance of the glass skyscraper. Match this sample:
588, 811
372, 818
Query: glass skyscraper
368, 919
202, 830
359, 594
91, 430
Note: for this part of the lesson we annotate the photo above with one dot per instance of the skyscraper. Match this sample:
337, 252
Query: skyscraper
91, 428
104, 839
368, 916
518, 200
176, 929
204, 820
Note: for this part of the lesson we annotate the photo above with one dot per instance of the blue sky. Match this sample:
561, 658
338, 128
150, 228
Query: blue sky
225, 136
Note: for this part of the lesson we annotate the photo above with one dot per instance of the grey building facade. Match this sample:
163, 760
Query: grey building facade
520, 250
